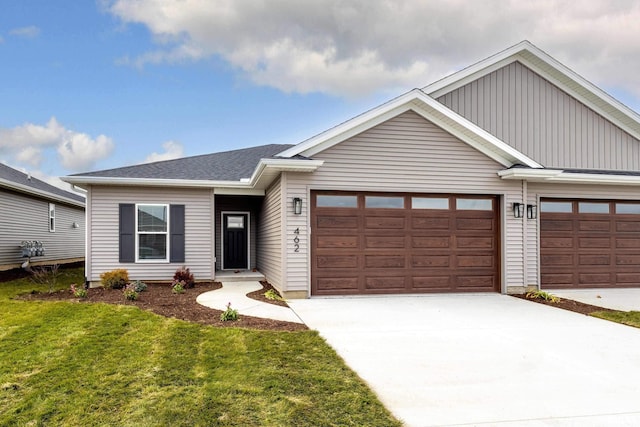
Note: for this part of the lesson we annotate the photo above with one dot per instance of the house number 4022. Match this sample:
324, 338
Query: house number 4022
296, 240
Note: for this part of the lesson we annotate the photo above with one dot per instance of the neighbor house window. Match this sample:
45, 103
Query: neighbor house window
52, 217
152, 231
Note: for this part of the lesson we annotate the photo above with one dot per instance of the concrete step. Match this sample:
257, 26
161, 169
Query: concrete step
240, 276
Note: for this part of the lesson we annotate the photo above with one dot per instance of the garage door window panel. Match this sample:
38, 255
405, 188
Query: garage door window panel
556, 207
474, 204
628, 208
333, 201
593, 208
441, 203
383, 202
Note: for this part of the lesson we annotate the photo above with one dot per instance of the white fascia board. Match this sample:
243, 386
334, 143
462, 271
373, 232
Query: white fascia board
40, 193
552, 70
239, 191
563, 177
279, 164
430, 109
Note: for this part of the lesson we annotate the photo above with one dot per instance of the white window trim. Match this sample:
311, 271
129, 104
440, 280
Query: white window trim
52, 217
166, 233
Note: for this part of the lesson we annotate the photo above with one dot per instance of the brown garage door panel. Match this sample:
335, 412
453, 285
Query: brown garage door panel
589, 250
404, 250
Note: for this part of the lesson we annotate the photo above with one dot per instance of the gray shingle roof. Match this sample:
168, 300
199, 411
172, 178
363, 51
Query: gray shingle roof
225, 166
14, 176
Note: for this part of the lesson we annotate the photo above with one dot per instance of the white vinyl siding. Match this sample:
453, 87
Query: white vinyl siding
536, 191
26, 218
270, 235
104, 235
404, 154
543, 122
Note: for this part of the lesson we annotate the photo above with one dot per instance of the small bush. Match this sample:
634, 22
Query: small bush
45, 275
543, 295
229, 314
130, 293
78, 292
183, 274
139, 286
116, 279
273, 295
177, 286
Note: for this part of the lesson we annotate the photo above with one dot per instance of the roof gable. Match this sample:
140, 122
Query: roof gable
25, 183
553, 71
422, 104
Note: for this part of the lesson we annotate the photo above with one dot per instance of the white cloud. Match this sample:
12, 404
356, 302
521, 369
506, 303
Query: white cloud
29, 32
172, 150
352, 47
76, 151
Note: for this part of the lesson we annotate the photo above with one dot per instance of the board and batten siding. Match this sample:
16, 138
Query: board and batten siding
404, 154
537, 190
540, 120
269, 260
104, 204
27, 218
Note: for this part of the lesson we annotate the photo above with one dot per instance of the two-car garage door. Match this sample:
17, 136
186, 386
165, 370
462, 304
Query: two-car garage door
589, 244
374, 243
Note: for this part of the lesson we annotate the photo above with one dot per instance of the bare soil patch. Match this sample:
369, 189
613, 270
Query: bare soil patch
159, 299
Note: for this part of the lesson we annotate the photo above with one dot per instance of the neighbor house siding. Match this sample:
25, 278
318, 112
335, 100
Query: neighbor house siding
104, 206
405, 154
536, 191
269, 260
542, 121
27, 218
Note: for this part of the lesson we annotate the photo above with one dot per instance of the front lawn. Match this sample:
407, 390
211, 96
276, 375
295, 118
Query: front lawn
84, 364
631, 318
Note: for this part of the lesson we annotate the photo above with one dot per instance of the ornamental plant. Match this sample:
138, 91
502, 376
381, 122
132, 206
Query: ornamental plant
229, 314
177, 286
139, 286
130, 292
183, 274
115, 279
78, 292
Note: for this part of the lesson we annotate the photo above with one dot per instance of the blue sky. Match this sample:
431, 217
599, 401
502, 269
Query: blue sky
93, 85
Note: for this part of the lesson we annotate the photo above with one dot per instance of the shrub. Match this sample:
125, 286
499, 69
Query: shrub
130, 293
177, 286
45, 275
229, 314
273, 295
116, 279
78, 292
183, 274
543, 295
139, 286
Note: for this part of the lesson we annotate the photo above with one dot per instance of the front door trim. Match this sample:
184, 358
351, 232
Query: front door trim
223, 214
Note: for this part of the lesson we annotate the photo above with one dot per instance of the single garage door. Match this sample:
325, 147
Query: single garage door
381, 243
589, 244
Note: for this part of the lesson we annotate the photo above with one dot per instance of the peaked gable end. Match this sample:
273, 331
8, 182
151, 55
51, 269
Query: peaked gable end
537, 118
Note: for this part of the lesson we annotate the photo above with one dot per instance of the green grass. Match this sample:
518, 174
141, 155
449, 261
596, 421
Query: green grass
85, 364
631, 318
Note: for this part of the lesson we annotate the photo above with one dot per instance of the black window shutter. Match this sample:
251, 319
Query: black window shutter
176, 230
127, 233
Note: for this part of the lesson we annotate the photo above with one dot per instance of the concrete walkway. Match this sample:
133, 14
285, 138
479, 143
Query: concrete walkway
236, 294
484, 359
615, 299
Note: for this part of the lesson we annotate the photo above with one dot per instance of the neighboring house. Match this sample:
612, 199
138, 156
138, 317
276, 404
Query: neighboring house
511, 174
46, 221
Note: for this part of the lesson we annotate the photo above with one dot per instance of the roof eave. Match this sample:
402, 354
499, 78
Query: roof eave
558, 176
39, 193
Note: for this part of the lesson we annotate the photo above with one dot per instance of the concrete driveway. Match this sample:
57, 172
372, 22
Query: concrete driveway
484, 359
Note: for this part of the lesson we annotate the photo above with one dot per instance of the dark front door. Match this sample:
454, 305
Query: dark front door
235, 227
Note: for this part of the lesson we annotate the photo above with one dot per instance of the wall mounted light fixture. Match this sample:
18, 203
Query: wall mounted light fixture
532, 211
297, 205
518, 210
75, 225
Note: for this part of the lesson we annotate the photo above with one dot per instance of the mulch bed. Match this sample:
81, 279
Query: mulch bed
567, 304
159, 299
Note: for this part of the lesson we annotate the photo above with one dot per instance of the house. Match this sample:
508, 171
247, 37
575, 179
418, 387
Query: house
514, 173
38, 222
